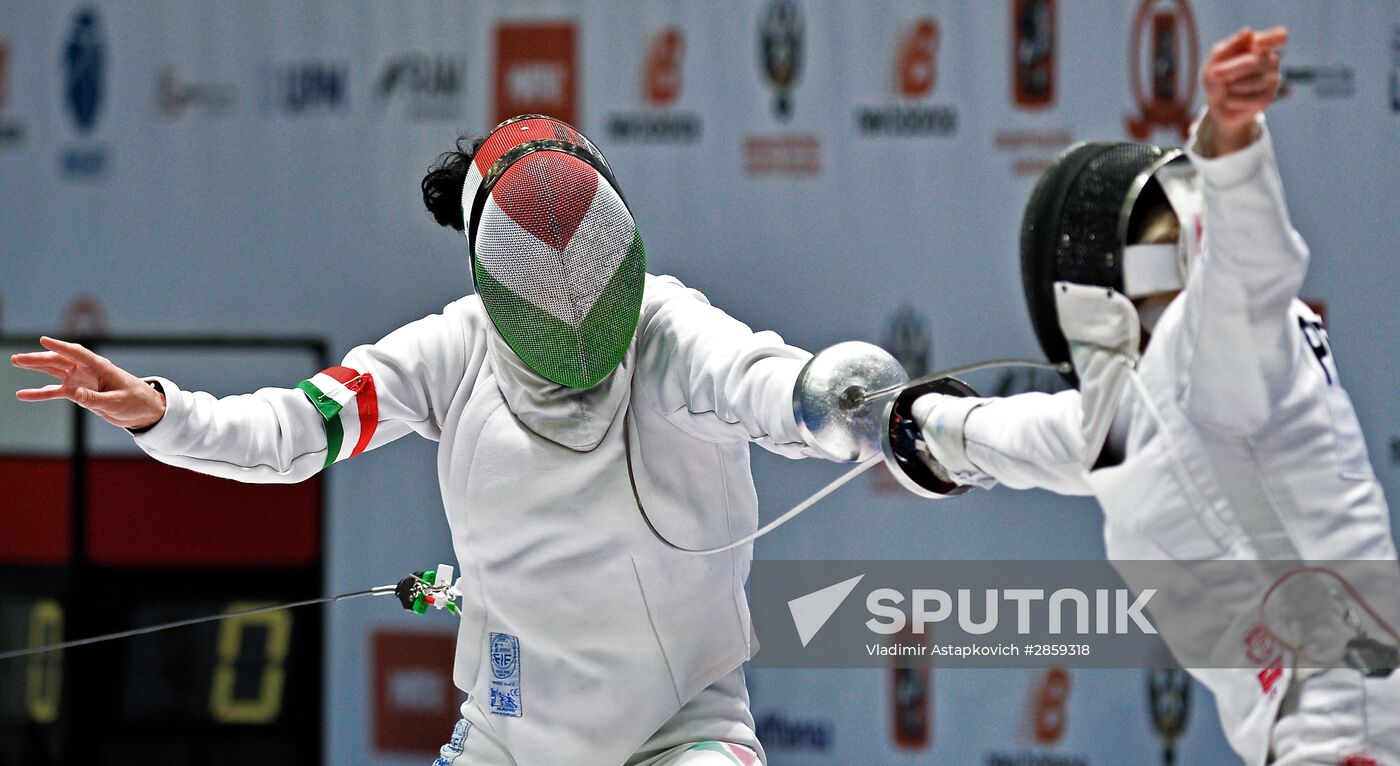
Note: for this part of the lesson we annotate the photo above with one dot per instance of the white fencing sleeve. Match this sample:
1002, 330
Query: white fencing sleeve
282, 435
715, 378
1025, 441
1236, 346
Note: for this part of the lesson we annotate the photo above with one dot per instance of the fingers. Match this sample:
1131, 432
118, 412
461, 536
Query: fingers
72, 351
1243, 65
55, 391
95, 400
1270, 39
85, 397
1263, 86
1238, 43
46, 362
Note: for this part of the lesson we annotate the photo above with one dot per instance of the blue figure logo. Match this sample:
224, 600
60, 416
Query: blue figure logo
84, 62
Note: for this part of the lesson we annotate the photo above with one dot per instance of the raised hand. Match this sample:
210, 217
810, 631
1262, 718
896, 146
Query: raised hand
1241, 79
92, 382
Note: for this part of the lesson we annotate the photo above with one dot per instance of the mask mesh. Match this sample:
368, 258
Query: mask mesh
1072, 228
560, 268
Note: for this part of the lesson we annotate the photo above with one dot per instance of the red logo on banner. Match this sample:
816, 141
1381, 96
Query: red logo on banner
1033, 53
916, 63
1164, 32
415, 706
661, 83
1049, 716
536, 71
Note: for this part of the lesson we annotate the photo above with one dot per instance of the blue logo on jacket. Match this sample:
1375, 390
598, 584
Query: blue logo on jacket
84, 69
504, 653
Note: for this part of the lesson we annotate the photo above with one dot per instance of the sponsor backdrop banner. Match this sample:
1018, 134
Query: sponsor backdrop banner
829, 170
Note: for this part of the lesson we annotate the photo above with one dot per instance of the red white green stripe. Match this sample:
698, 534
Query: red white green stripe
347, 400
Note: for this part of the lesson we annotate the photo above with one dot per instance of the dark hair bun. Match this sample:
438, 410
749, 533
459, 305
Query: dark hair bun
442, 186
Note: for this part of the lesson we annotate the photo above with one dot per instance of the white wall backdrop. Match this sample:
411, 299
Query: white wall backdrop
254, 167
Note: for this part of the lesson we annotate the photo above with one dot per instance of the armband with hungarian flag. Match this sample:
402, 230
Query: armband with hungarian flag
350, 406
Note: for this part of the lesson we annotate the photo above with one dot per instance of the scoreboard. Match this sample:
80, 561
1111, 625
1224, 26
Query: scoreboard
96, 537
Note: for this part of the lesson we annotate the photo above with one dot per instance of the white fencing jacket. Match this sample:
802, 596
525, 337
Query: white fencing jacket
1258, 453
615, 631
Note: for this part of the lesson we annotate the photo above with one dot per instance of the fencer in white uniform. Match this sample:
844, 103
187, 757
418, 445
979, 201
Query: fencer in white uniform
1229, 438
584, 640
625, 649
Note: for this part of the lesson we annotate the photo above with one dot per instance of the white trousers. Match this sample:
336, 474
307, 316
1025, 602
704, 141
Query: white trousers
715, 728
1339, 718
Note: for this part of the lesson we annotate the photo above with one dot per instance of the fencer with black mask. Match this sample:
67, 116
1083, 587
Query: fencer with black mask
1208, 419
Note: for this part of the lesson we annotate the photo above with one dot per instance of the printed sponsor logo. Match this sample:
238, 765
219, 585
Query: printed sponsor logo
1049, 702
1169, 707
780, 732
780, 45
915, 75
536, 71
912, 702
306, 88
11, 130
781, 50
1326, 82
1163, 61
1047, 719
84, 59
1034, 53
1033, 150
785, 155
177, 96
428, 86
505, 694
663, 77
414, 704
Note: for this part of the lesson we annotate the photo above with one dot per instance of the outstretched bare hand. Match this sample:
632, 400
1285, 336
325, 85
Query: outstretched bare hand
1241, 79
92, 382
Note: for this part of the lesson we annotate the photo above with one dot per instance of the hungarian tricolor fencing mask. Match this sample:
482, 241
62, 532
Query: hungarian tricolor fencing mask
1078, 222
555, 255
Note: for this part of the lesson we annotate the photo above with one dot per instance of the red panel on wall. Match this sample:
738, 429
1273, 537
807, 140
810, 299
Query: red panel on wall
144, 513
415, 704
35, 513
